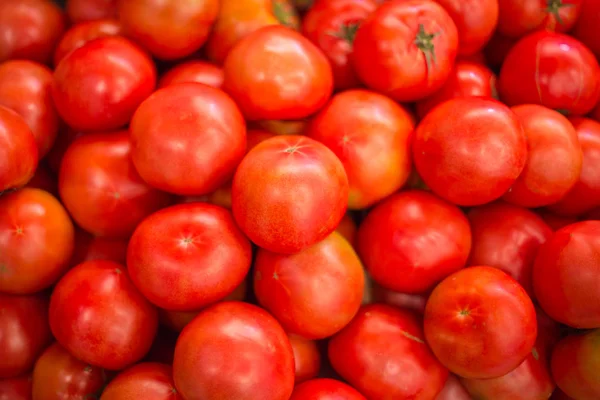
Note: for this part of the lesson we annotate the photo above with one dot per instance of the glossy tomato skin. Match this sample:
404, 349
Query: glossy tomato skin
90, 10
18, 388
389, 343
58, 375
98, 86
198, 127
24, 332
307, 358
370, 134
553, 70
520, 17
99, 316
36, 241
148, 381
18, 151
276, 73
587, 26
480, 323
417, 71
265, 193
453, 390
325, 389
193, 71
470, 151
237, 340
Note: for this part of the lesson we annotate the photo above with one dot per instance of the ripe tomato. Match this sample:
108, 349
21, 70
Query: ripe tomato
288, 193
392, 244
470, 150
453, 390
347, 228
406, 301
276, 73
89, 248
58, 375
18, 388
98, 315
307, 358
370, 134
551, 69
586, 28
480, 323
193, 71
389, 344
99, 85
89, 10
148, 381
406, 49
520, 17
234, 350
24, 332
196, 126
36, 241
325, 389
18, 151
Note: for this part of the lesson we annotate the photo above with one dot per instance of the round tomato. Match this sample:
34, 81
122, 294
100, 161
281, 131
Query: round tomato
79, 34
520, 17
406, 301
453, 390
586, 28
148, 381
18, 388
89, 10
325, 389
307, 358
89, 248
18, 151
193, 71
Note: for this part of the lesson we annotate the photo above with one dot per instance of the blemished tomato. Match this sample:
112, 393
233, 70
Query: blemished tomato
18, 151
412, 240
58, 375
98, 315
193, 71
470, 151
307, 359
98, 86
276, 73
198, 127
507, 237
520, 17
18, 388
383, 354
553, 70
480, 323
24, 332
453, 390
497, 49
36, 241
406, 301
586, 28
348, 229
148, 381
325, 389
234, 350
90, 10
370, 134
288, 193
89, 248
406, 49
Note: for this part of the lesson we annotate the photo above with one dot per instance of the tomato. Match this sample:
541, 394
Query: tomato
24, 332
406, 49
453, 390
520, 17
81, 33
58, 375
193, 71
555, 221
480, 323
196, 126
89, 247
98, 315
325, 389
347, 228
149, 381
276, 73
307, 358
99, 85
234, 350
36, 241
585, 195
18, 151
587, 26
44, 179
389, 344
470, 151
89, 10
497, 49
575, 365
551, 69
370, 134
18, 388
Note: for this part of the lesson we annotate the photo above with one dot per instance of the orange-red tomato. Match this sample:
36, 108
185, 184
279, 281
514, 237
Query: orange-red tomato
325, 389
18, 151
193, 71
148, 381
89, 10
307, 358
81, 33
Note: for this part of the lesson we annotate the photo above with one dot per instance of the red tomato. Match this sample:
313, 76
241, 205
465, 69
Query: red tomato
234, 350
307, 358
497, 49
556, 221
551, 69
99, 85
347, 228
325, 389
89, 248
566, 275
36, 241
467, 79
276, 73
79, 34
453, 390
99, 316
58, 375
148, 381
520, 17
383, 354
586, 28
18, 151
480, 323
370, 134
407, 301
24, 332
288, 193
193, 71
199, 128
406, 49
470, 151
89, 10
18, 388
44, 179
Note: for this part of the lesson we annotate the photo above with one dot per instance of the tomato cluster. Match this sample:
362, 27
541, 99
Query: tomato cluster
300, 200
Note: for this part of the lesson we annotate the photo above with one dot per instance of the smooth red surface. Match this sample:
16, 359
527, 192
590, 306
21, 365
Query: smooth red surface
325, 389
193, 71
520, 17
83, 32
18, 388
148, 381
18, 151
307, 358
587, 26
89, 10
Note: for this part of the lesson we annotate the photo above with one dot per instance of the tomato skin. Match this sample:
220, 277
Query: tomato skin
148, 381
480, 308
407, 75
90, 10
98, 86
98, 315
553, 70
238, 339
586, 28
453, 390
193, 71
18, 388
276, 73
269, 211
370, 134
36, 241
389, 343
520, 17
307, 358
470, 151
81, 33
18, 151
325, 389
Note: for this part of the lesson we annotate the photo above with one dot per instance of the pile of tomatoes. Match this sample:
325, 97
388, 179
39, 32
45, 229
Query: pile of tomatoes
296, 200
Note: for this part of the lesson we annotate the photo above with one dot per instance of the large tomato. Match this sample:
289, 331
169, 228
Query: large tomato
148, 381
89, 10
586, 28
406, 49
551, 69
98, 315
234, 350
18, 151
307, 358
325, 389
18, 388
520, 17
193, 71
470, 150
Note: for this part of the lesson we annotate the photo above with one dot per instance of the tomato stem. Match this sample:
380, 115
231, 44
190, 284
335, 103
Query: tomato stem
554, 7
424, 41
347, 31
281, 13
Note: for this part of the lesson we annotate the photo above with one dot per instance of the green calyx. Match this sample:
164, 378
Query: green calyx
554, 6
281, 12
347, 32
424, 41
